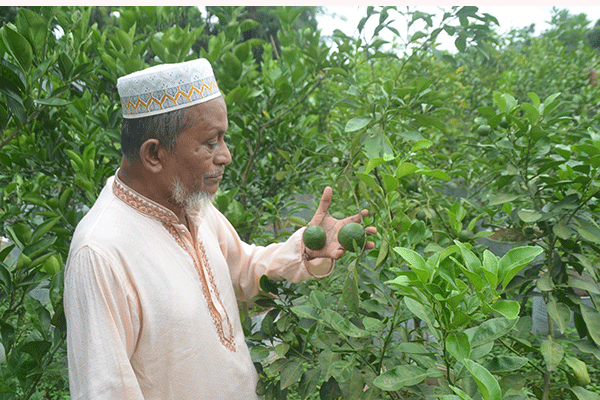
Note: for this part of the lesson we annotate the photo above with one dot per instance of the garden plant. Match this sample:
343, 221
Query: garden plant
449, 150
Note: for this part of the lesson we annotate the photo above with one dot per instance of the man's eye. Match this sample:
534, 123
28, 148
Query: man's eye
212, 145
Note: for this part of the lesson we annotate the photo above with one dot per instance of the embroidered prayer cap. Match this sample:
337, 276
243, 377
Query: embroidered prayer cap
167, 87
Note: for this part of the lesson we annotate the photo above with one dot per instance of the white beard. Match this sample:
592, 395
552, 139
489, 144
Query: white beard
192, 203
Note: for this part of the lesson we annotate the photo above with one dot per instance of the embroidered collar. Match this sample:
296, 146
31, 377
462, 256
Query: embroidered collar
142, 203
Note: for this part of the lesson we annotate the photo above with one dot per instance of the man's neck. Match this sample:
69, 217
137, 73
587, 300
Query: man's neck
137, 179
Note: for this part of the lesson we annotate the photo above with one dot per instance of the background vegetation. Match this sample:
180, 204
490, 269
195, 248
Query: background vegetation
456, 154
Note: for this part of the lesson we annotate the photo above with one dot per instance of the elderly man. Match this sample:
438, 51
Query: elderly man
155, 271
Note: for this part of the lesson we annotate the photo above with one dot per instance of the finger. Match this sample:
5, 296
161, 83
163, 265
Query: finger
325, 201
371, 230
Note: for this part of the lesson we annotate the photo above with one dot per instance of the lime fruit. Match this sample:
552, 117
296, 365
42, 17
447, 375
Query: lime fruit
484, 130
350, 234
504, 123
421, 215
314, 237
464, 235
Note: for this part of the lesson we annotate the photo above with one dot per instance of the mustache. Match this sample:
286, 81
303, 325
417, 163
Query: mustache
218, 172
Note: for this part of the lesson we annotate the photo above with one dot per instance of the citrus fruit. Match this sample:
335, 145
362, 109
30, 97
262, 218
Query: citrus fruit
421, 215
504, 123
464, 235
484, 130
314, 237
351, 233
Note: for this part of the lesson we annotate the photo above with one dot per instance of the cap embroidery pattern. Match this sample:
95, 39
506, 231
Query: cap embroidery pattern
167, 87
152, 103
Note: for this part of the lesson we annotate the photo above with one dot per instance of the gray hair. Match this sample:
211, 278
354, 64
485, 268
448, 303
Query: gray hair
165, 127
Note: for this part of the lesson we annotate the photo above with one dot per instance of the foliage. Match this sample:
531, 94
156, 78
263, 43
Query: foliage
443, 149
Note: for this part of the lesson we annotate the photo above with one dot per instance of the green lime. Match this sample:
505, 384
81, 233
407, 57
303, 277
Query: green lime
351, 233
421, 215
314, 237
464, 235
504, 123
484, 130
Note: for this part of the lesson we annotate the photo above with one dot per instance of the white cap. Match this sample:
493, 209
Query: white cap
167, 87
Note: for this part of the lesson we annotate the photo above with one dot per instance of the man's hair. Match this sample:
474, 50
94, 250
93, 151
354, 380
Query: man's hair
165, 127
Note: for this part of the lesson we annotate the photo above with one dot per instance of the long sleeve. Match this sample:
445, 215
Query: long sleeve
247, 262
103, 325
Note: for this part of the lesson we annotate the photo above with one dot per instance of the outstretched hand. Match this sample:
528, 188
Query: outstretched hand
333, 249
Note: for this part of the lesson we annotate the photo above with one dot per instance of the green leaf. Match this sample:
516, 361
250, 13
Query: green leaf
18, 46
490, 330
584, 394
579, 369
4, 388
36, 349
342, 370
399, 377
562, 230
529, 216
308, 383
422, 312
591, 316
552, 352
514, 261
589, 232
532, 113
502, 364
502, 198
421, 144
507, 308
488, 385
43, 228
458, 345
461, 43
435, 173
416, 263
559, 312
356, 124
52, 101
291, 373
369, 181
34, 27
405, 168
233, 65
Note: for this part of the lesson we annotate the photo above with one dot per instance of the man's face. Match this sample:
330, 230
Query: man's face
198, 161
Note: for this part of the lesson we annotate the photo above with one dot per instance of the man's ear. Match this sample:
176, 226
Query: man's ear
150, 155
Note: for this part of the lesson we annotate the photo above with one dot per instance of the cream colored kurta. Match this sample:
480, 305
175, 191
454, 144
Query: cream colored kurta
152, 308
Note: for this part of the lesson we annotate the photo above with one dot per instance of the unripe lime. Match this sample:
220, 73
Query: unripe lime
421, 215
504, 123
464, 235
314, 237
350, 234
484, 130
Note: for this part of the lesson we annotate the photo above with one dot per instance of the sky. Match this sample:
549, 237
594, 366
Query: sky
348, 17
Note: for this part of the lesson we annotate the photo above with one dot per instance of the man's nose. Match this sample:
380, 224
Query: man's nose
224, 156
